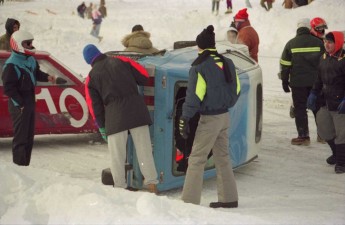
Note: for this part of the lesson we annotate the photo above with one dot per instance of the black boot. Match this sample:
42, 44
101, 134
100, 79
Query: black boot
224, 204
340, 159
332, 159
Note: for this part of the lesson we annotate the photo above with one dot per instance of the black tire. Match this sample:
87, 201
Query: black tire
184, 44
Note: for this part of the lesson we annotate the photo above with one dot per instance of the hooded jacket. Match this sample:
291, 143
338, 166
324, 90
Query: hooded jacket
139, 41
248, 36
300, 58
5, 39
331, 74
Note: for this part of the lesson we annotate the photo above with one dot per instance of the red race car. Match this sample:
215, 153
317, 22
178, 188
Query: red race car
60, 108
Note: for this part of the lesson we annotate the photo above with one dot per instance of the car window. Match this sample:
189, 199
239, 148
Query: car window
47, 67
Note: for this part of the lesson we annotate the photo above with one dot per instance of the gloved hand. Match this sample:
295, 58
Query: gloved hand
104, 136
311, 102
183, 127
285, 85
341, 107
233, 25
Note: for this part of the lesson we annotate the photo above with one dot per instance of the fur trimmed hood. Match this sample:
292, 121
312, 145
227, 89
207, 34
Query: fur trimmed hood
139, 41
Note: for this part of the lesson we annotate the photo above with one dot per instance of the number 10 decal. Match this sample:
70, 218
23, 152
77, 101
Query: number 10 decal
46, 96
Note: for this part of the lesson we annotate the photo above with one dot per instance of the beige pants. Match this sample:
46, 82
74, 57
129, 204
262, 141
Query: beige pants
212, 133
117, 148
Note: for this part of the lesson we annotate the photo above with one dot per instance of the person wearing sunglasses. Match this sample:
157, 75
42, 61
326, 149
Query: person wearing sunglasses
20, 74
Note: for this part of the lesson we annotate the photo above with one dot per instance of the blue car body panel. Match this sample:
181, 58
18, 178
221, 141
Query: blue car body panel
170, 71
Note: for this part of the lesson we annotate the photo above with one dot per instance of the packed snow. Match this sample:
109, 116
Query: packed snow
285, 185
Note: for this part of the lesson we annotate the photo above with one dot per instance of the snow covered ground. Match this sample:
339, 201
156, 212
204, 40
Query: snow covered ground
285, 185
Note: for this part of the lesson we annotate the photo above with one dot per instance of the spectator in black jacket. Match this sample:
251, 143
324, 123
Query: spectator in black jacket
20, 74
118, 108
331, 82
299, 62
81, 10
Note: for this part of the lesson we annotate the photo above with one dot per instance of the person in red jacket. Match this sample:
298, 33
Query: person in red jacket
246, 33
119, 109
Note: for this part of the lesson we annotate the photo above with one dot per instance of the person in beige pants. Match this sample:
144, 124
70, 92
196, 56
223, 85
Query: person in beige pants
212, 133
213, 88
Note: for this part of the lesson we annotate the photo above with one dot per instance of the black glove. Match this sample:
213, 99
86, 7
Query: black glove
285, 85
183, 127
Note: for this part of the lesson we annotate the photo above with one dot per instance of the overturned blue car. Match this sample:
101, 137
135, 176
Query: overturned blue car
164, 95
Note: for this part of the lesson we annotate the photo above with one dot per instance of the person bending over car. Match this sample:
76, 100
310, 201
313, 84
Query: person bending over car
20, 74
118, 108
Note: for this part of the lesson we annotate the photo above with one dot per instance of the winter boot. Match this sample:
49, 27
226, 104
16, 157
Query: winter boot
340, 159
152, 188
320, 140
224, 204
263, 5
305, 141
229, 10
332, 159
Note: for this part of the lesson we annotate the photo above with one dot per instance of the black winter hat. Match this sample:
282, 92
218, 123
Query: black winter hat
330, 37
137, 27
206, 39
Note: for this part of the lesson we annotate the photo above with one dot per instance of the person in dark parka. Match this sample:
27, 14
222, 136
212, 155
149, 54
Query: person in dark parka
118, 108
331, 82
20, 74
11, 26
299, 61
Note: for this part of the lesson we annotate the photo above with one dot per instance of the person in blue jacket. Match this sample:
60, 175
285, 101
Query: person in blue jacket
20, 74
213, 87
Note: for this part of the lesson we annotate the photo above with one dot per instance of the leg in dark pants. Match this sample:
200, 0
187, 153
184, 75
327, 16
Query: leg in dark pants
23, 128
340, 159
332, 159
299, 97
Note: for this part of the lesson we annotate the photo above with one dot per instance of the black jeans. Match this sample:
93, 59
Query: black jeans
23, 129
299, 98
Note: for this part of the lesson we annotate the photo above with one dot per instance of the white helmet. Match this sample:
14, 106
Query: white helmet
21, 41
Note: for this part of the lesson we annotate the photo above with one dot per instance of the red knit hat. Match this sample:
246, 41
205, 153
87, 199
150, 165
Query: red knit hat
242, 15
